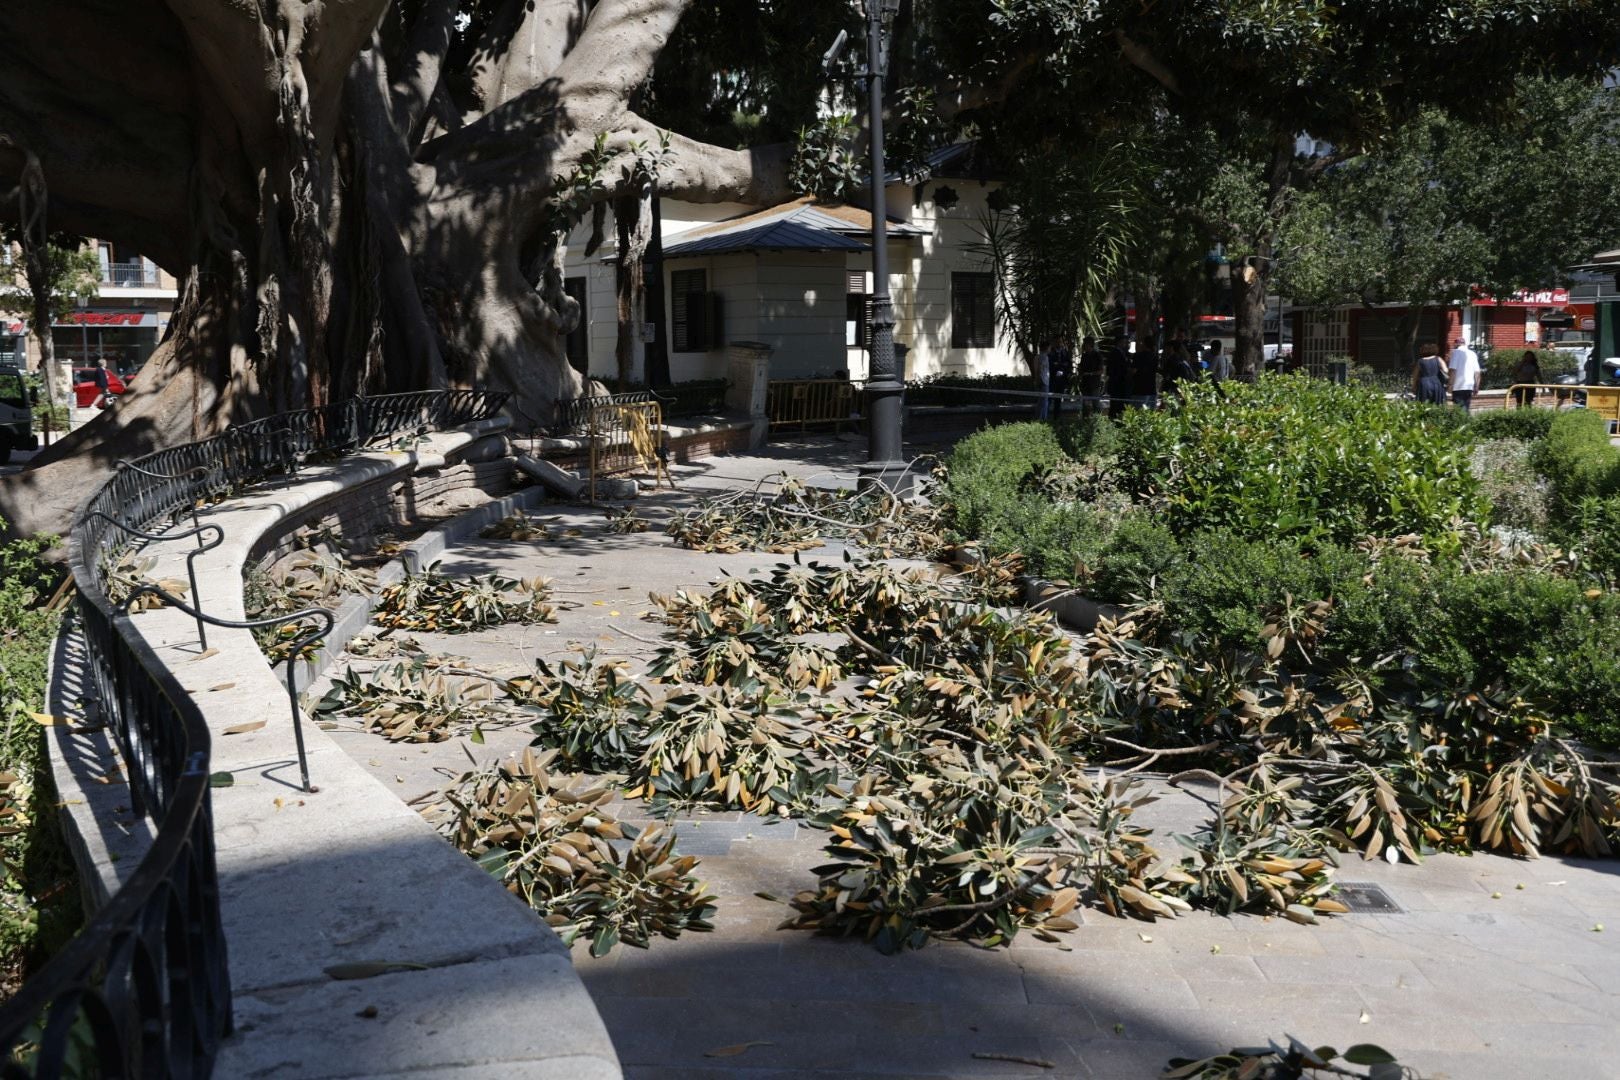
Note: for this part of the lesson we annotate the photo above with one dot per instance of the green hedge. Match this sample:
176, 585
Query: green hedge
1526, 425
1578, 460
1500, 364
1296, 457
985, 470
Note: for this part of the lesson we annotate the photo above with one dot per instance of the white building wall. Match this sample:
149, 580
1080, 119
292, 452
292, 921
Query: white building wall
795, 301
923, 298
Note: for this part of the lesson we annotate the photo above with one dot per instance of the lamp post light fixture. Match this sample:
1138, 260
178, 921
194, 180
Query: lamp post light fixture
884, 390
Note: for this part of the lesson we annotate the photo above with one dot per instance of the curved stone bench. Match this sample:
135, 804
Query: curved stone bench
479, 986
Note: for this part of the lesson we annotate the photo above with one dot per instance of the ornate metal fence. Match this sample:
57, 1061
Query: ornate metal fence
144, 989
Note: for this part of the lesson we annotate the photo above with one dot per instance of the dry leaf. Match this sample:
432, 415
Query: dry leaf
47, 720
221, 686
243, 729
1365, 1016
205, 654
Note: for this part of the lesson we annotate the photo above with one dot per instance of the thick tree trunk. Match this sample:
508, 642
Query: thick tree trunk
331, 238
1249, 318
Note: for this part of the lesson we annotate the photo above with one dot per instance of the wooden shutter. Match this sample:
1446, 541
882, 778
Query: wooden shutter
973, 311
689, 316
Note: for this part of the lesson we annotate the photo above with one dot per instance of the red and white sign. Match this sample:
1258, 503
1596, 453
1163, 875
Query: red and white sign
13, 328
1527, 298
108, 318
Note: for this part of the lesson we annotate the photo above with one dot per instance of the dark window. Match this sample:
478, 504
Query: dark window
973, 311
578, 342
689, 311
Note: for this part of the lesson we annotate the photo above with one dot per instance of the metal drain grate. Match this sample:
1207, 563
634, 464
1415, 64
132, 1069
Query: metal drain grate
1366, 898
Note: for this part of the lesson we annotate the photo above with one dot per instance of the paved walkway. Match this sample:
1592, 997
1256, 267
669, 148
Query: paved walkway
1457, 983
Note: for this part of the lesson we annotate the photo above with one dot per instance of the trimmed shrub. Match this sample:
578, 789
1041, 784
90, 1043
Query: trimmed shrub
1527, 425
1138, 554
986, 468
1087, 437
1577, 459
1225, 585
1295, 457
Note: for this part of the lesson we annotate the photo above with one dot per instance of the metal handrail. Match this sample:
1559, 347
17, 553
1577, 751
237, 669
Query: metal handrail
298, 646
191, 557
144, 987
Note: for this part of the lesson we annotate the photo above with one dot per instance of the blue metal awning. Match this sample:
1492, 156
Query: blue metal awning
779, 235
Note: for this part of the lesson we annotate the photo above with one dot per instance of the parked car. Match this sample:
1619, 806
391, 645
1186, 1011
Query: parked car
85, 391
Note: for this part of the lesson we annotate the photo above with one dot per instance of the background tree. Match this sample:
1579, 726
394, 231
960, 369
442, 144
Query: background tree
1448, 206
1058, 236
58, 273
1258, 75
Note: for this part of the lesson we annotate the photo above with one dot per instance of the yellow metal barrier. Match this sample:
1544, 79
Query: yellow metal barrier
627, 437
811, 401
1603, 400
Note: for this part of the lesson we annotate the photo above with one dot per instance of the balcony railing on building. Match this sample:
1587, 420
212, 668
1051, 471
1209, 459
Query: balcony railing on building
130, 275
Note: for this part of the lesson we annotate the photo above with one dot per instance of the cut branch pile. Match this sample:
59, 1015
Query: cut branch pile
949, 748
551, 842
433, 601
800, 517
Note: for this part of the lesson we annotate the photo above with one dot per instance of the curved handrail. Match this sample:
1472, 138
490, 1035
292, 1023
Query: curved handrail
144, 987
191, 556
298, 646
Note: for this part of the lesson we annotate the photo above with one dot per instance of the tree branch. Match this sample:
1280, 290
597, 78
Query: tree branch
702, 172
524, 45
413, 90
619, 46
1145, 60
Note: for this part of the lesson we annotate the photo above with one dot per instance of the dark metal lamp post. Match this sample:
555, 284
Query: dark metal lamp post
884, 389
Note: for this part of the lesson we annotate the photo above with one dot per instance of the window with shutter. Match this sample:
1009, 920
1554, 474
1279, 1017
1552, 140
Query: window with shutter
689, 311
857, 311
973, 310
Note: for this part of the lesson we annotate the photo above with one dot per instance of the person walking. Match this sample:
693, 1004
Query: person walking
1178, 371
1429, 376
103, 390
1118, 365
1220, 363
1527, 374
1465, 374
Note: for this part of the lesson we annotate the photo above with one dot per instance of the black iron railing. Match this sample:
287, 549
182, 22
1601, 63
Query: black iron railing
144, 989
573, 417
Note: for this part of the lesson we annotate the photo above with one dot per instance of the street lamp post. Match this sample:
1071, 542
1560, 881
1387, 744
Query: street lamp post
884, 390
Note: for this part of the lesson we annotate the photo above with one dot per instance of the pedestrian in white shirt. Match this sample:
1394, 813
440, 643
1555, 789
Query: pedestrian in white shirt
1465, 374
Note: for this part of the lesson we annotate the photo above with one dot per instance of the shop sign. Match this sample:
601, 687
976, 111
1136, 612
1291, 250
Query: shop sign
13, 328
1527, 298
108, 318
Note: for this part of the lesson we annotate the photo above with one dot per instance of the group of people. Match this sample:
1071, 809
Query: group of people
1461, 373
1124, 376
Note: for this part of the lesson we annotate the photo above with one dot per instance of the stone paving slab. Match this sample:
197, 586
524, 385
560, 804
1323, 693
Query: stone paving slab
1459, 985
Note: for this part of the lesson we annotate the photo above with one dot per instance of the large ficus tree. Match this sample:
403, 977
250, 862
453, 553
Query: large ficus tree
357, 195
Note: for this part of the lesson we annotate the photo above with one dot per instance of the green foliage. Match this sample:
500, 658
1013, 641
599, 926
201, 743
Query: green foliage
1597, 538
1072, 215
1500, 366
71, 270
988, 465
954, 390
1527, 425
1577, 460
39, 907
1300, 458
824, 162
